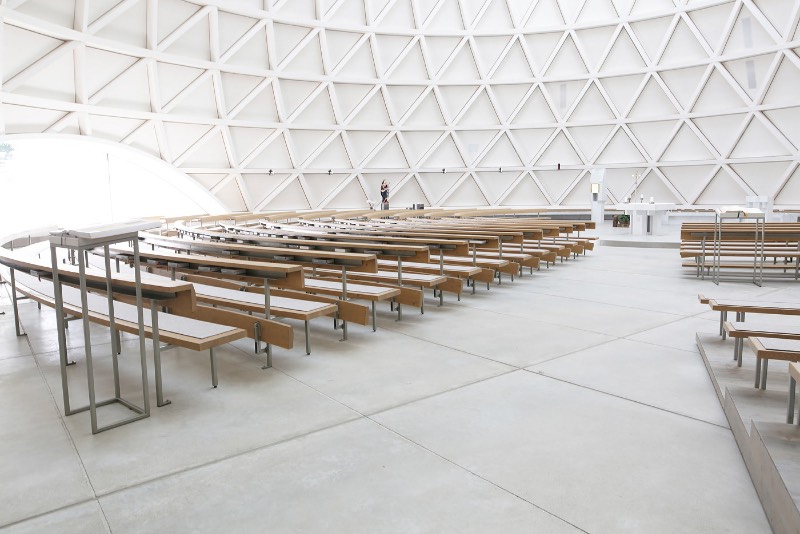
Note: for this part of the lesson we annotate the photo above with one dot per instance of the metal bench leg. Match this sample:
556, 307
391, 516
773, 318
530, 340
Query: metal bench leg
213, 367
758, 372
157, 356
374, 318
764, 364
790, 411
738, 350
723, 318
14, 305
308, 340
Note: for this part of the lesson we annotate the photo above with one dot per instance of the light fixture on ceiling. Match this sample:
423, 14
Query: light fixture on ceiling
270, 172
329, 172
442, 171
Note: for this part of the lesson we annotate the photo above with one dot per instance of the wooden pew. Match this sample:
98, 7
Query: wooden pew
767, 349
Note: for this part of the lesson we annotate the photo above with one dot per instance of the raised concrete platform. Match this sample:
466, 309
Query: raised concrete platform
770, 447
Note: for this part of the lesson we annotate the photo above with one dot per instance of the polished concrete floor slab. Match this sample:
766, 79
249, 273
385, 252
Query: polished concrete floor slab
636, 371
356, 477
624, 467
564, 401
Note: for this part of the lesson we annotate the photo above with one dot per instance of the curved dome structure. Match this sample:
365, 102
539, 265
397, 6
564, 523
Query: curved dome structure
284, 104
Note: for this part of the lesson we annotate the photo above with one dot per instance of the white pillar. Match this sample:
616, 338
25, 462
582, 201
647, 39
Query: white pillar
598, 193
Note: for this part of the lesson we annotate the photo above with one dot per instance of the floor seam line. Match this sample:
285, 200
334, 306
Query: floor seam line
565, 381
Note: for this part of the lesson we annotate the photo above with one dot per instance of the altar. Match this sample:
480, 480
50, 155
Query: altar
647, 218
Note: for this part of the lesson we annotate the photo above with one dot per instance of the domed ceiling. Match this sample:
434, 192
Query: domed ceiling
287, 104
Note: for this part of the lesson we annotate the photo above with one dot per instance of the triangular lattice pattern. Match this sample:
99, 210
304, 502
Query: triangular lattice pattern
279, 104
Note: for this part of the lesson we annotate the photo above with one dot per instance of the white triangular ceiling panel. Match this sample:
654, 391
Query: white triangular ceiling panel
723, 189
502, 154
373, 113
437, 184
362, 144
683, 83
475, 142
651, 34
721, 131
590, 138
408, 194
514, 65
689, 181
333, 156
623, 55
467, 193
259, 107
594, 42
445, 155
531, 141
497, 183
508, 97
559, 151
525, 193
535, 110
419, 143
592, 107
757, 141
291, 197
711, 22
556, 183
545, 14
783, 88
686, 146
390, 156
788, 122
620, 150
717, 95
653, 136
790, 191
764, 178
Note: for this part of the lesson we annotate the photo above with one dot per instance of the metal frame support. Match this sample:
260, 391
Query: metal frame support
267, 315
14, 305
344, 298
400, 283
77, 248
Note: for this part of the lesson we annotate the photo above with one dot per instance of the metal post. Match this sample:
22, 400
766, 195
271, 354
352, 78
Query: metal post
213, 367
790, 411
157, 354
400, 283
140, 317
87, 342
14, 303
308, 340
267, 314
344, 298
115, 350
374, 318
62, 341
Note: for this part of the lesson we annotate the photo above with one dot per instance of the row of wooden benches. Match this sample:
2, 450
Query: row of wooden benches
767, 341
738, 248
224, 278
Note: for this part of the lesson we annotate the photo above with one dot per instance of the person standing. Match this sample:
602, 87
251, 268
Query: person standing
384, 194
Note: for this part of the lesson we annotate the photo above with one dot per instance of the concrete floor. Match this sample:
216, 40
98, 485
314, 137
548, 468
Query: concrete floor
571, 400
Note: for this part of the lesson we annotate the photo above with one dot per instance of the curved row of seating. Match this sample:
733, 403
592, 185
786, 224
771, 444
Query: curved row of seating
254, 275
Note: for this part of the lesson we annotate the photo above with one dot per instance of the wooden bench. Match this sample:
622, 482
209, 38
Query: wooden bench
194, 334
743, 307
794, 376
767, 349
739, 331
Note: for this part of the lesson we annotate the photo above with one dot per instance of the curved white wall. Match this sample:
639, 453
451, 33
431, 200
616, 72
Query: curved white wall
277, 104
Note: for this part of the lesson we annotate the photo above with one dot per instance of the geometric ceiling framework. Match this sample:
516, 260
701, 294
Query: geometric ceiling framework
292, 104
